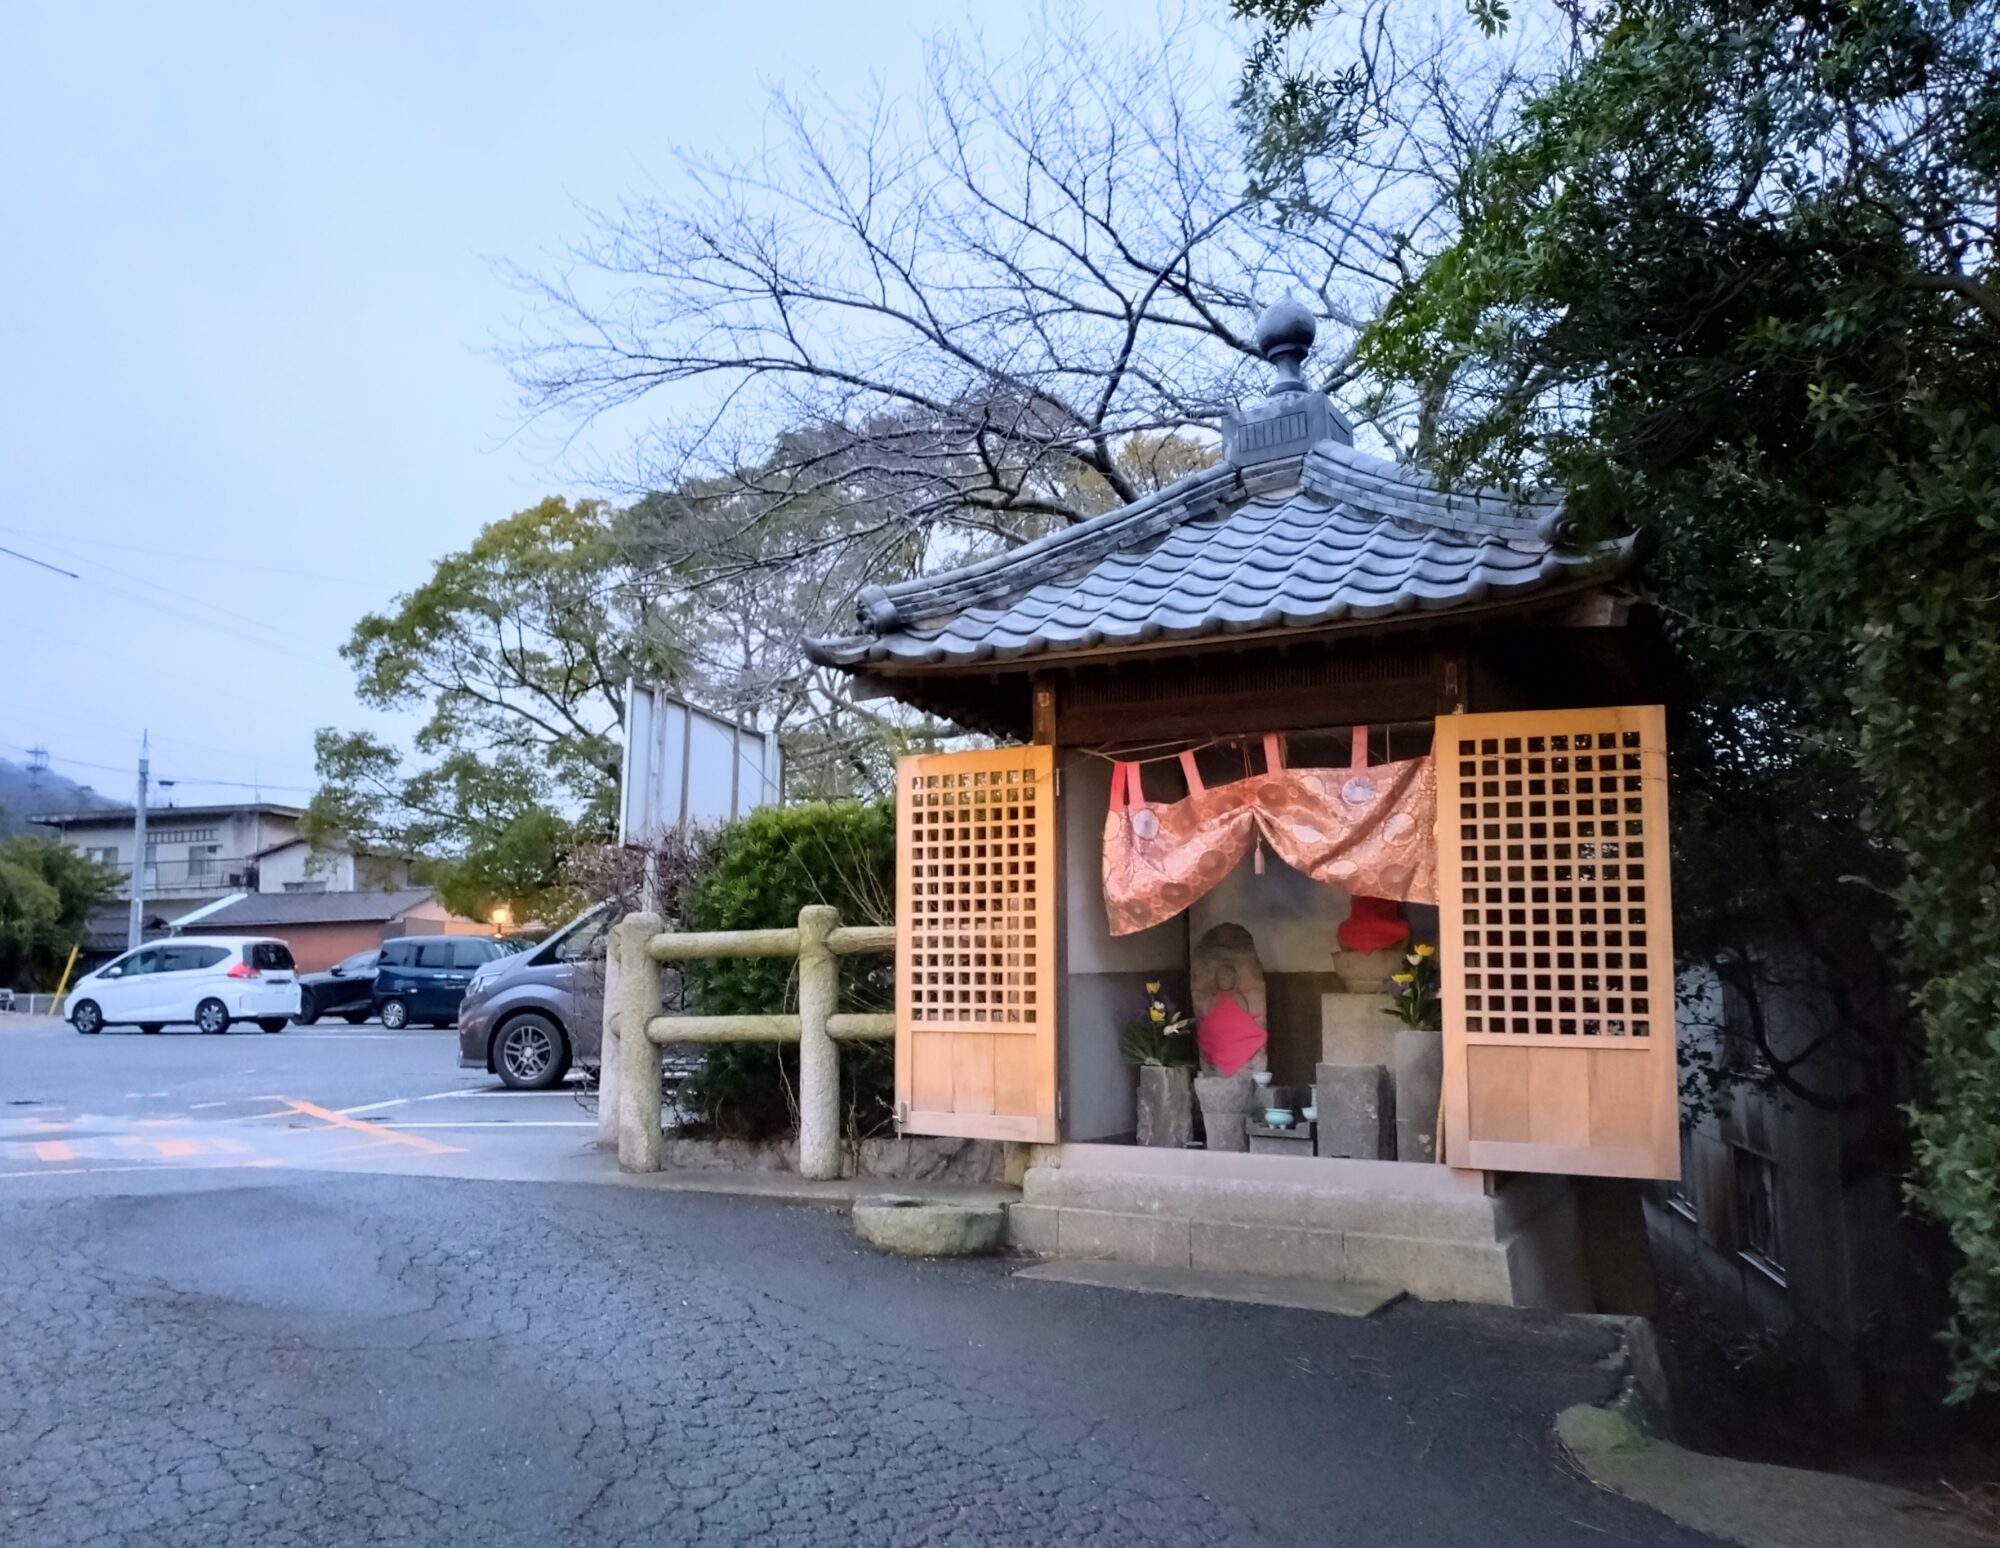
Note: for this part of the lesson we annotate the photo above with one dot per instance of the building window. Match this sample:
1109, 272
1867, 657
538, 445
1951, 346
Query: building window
108, 855
1757, 1238
305, 886
202, 861
1680, 1195
1741, 1054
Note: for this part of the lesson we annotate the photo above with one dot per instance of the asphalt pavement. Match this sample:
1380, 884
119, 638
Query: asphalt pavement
398, 1314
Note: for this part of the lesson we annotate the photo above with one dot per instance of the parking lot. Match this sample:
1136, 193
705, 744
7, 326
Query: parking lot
326, 1287
328, 1097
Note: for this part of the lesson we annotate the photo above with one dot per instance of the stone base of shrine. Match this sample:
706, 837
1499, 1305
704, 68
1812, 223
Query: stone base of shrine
1440, 1234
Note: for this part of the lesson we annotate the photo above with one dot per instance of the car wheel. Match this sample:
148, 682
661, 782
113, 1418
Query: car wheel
86, 1017
395, 1015
308, 1009
531, 1054
355, 1018
272, 1023
212, 1016
151, 1027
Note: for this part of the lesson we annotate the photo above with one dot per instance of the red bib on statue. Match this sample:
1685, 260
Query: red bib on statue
1228, 1036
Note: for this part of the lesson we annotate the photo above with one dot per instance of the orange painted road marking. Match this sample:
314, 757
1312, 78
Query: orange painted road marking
387, 1136
55, 1150
177, 1150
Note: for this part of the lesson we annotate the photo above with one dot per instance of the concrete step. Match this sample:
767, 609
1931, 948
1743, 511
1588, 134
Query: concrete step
1343, 1298
1434, 1233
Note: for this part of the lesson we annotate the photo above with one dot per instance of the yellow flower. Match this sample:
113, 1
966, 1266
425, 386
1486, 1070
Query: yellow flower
1158, 1014
1402, 978
1427, 950
1152, 988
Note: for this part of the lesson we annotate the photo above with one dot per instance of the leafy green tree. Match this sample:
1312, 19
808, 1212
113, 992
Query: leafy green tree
47, 894
519, 649
1733, 275
757, 874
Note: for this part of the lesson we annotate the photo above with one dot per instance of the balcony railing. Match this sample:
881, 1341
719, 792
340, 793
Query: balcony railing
165, 878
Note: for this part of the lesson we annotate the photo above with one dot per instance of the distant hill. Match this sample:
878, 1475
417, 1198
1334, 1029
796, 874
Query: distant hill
23, 793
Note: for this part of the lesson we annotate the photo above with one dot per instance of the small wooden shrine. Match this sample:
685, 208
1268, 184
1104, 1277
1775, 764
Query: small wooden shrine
1229, 703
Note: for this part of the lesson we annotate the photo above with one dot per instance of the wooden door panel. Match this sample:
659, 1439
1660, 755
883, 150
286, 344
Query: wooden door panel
1556, 940
976, 880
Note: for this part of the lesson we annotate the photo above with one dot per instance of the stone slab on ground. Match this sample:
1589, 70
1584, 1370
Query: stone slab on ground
1347, 1298
1756, 1504
913, 1227
838, 1195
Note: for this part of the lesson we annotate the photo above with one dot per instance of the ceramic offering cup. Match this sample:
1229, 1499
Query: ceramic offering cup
1278, 1117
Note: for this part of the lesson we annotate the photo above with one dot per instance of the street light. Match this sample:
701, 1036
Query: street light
501, 917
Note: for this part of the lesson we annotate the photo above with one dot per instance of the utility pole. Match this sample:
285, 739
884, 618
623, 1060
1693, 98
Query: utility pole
135, 922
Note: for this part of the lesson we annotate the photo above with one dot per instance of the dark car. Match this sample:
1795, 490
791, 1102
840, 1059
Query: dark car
530, 1018
423, 977
347, 990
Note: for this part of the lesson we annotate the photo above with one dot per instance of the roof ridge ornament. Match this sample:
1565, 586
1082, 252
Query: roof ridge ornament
1293, 418
1284, 336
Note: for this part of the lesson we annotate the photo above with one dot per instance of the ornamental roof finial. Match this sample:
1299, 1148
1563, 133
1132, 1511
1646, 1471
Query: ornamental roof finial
1284, 334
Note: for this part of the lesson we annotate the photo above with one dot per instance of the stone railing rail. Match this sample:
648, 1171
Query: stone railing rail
641, 944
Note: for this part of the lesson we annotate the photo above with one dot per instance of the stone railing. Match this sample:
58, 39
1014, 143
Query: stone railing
640, 945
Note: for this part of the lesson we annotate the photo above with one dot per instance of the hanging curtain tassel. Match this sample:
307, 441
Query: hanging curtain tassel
1257, 858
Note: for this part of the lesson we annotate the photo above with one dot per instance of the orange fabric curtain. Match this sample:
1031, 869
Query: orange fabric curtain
1365, 830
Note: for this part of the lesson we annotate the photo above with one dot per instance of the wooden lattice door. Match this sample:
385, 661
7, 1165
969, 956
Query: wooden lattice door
1557, 945
976, 878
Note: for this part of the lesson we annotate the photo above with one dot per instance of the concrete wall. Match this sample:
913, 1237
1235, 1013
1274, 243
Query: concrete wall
1852, 1301
298, 868
317, 946
1104, 975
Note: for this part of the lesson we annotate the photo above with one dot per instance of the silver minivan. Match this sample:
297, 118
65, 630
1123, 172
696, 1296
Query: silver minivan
530, 1016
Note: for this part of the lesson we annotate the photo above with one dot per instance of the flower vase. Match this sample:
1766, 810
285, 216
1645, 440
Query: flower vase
1166, 1106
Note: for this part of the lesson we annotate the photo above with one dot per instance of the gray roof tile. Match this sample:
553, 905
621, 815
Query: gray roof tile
1326, 537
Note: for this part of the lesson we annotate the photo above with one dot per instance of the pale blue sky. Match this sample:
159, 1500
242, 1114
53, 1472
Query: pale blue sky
244, 294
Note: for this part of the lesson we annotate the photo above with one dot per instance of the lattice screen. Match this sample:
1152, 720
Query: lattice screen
972, 856
1556, 942
1552, 859
976, 889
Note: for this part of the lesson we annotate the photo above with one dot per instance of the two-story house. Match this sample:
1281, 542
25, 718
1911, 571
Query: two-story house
194, 854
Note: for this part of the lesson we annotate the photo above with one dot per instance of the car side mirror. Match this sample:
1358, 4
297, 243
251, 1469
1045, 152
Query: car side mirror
114, 972
338, 972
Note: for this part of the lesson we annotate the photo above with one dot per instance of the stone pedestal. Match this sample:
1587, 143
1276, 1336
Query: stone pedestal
1419, 1076
1166, 1106
1227, 1102
1356, 1029
1357, 1112
1267, 1141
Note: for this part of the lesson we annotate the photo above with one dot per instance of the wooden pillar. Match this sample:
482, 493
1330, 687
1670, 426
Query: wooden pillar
638, 988
819, 1059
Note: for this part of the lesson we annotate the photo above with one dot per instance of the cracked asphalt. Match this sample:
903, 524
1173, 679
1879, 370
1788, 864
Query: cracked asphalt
294, 1356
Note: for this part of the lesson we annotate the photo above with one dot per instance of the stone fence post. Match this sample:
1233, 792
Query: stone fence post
819, 1059
637, 983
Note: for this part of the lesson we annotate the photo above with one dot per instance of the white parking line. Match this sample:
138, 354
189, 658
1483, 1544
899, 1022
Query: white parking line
435, 1096
508, 1123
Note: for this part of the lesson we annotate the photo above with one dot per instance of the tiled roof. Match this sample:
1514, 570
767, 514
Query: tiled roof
1317, 537
262, 909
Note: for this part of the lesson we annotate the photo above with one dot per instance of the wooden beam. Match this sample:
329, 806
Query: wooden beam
1044, 712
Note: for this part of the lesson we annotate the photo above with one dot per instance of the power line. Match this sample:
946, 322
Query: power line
162, 779
61, 541
31, 559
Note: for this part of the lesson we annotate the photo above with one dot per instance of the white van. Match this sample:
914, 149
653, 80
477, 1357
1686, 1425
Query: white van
207, 980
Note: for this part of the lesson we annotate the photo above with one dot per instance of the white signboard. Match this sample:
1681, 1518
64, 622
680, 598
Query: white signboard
687, 767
